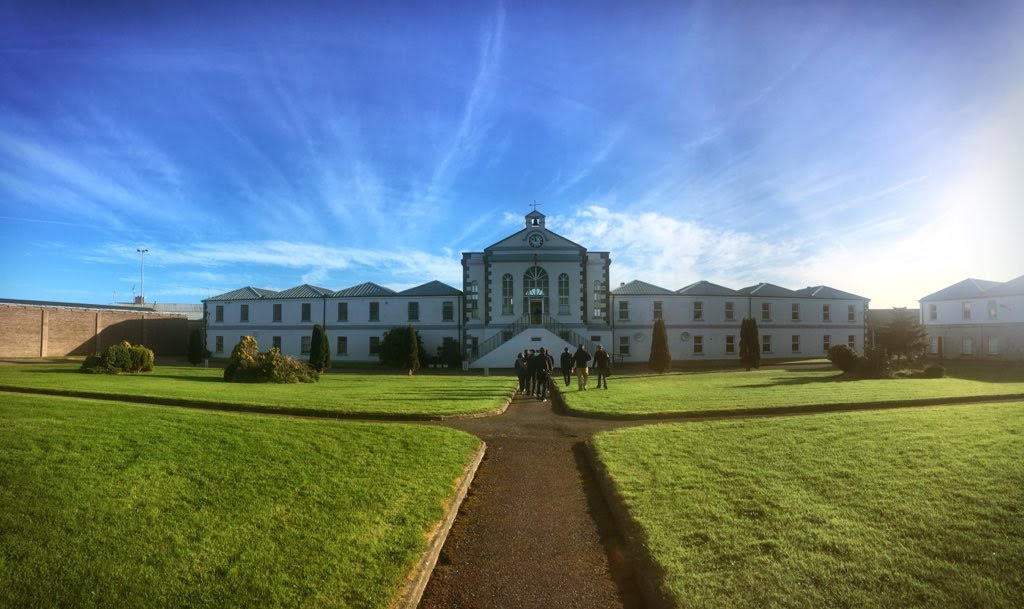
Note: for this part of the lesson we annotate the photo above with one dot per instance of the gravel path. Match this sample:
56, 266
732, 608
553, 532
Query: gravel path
534, 530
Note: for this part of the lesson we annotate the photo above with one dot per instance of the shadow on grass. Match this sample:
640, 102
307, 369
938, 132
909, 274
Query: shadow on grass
803, 380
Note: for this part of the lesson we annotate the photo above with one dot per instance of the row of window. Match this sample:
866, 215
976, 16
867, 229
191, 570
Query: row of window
535, 284
730, 311
766, 343
413, 310
993, 311
967, 346
341, 344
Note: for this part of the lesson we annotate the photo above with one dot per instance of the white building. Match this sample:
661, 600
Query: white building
976, 319
533, 289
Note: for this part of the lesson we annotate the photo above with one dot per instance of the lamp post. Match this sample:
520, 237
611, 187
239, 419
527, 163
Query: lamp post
142, 275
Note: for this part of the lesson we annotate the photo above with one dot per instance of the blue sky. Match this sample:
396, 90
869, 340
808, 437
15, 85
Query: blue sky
874, 146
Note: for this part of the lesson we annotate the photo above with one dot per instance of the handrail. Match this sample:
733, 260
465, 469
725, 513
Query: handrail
513, 329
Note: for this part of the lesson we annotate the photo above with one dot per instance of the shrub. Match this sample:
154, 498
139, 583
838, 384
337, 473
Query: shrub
874, 364
412, 355
319, 350
660, 359
248, 365
396, 346
450, 354
843, 357
750, 344
197, 350
123, 357
935, 371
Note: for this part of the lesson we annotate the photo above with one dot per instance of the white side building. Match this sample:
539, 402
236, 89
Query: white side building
976, 319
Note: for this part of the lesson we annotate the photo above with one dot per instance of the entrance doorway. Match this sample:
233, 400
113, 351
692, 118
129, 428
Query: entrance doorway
536, 311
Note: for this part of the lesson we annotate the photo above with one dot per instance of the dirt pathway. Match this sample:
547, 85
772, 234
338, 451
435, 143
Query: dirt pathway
534, 530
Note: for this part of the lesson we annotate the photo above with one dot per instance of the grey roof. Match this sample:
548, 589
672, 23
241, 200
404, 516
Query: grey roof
246, 293
431, 288
979, 288
824, 291
968, 288
769, 290
364, 289
304, 291
535, 214
706, 288
640, 288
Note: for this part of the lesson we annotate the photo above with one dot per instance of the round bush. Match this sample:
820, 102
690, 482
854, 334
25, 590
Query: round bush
843, 357
935, 371
123, 357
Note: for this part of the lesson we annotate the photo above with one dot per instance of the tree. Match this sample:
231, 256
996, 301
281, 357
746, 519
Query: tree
661, 358
750, 347
197, 350
319, 350
902, 335
412, 357
396, 345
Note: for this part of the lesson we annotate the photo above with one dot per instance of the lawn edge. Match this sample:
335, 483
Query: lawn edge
418, 578
724, 413
256, 408
650, 576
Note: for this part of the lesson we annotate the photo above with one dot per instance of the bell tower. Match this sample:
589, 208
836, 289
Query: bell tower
534, 219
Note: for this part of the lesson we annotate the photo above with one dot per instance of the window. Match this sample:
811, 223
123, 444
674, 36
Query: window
342, 311
851, 314
826, 343
243, 313
276, 342
933, 312
795, 314
698, 344
730, 313
968, 345
595, 339
993, 345
414, 311
826, 312
374, 345
218, 342
624, 310
306, 341
598, 313
277, 312
563, 294
795, 343
473, 347
657, 311
766, 311
506, 295
933, 345
447, 311
342, 345
766, 343
472, 300
623, 345
307, 311
600, 301
220, 313
730, 344
992, 310
535, 284
851, 341
374, 311
698, 311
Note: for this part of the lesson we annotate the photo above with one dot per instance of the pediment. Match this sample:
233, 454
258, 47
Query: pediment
519, 242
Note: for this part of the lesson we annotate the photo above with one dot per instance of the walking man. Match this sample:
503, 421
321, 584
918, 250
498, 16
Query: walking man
531, 372
602, 365
543, 368
566, 363
520, 366
581, 360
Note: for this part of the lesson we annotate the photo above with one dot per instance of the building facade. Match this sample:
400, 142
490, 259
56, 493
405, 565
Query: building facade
533, 289
976, 319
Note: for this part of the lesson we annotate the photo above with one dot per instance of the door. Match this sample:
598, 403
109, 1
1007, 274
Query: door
536, 311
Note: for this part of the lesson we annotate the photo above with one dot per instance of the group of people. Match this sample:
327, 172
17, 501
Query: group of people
534, 369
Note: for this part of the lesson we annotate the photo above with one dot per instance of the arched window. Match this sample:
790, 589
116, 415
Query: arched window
563, 294
535, 282
506, 294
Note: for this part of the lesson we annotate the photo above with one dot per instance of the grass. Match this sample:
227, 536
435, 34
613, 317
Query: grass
385, 395
696, 392
112, 505
921, 508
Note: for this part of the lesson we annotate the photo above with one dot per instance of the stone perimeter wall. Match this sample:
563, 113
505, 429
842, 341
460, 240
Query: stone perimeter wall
42, 331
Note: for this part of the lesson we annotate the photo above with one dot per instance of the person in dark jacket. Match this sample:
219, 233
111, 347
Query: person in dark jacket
580, 361
566, 364
602, 365
531, 372
543, 371
520, 367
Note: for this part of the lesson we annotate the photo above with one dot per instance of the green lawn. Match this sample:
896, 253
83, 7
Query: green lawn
108, 504
697, 392
422, 395
921, 508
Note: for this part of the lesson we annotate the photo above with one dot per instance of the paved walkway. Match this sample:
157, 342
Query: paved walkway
534, 530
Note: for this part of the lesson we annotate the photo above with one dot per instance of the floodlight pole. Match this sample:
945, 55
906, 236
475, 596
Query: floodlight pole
142, 273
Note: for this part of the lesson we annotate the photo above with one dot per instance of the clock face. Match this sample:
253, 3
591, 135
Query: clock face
535, 239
